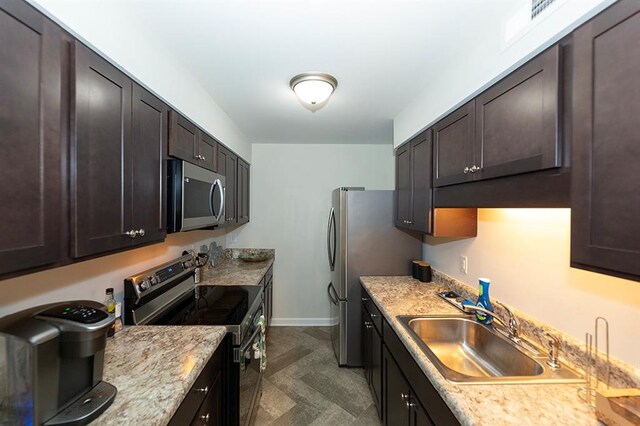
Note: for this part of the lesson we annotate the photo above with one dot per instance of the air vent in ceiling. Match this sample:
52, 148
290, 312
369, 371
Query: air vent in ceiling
537, 6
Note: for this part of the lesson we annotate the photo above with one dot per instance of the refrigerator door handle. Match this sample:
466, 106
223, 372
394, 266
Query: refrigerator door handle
331, 226
333, 296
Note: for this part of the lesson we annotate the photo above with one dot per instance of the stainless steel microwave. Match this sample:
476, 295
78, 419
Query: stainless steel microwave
195, 197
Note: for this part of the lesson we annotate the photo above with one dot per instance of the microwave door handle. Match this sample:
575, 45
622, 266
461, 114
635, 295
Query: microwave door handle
215, 183
211, 191
222, 206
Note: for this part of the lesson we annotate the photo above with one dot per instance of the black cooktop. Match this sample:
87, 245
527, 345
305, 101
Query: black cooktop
215, 305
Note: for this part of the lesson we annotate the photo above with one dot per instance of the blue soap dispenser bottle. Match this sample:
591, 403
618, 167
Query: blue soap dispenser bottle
484, 301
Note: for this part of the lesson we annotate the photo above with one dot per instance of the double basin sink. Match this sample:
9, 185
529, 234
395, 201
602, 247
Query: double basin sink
465, 351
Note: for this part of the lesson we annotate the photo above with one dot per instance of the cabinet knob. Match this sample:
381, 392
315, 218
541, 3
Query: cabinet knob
410, 404
373, 315
404, 396
203, 390
367, 324
140, 232
202, 157
466, 170
474, 169
205, 417
365, 299
131, 233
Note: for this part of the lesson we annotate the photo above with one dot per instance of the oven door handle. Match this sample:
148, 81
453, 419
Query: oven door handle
238, 354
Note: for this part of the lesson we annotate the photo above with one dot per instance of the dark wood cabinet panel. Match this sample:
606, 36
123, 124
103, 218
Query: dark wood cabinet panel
421, 194
32, 159
397, 392
243, 191
453, 146
183, 138
418, 414
268, 303
149, 138
100, 154
517, 123
376, 370
403, 186
207, 151
228, 166
606, 147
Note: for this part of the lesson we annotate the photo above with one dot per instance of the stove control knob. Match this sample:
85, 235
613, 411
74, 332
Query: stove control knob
144, 285
154, 280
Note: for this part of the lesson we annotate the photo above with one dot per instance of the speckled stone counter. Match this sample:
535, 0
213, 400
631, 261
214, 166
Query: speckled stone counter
500, 404
232, 271
153, 368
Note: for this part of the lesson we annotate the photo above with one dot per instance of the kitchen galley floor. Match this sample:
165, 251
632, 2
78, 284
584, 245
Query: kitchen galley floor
303, 384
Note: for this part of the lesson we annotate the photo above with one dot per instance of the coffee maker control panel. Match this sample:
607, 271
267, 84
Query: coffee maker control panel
78, 313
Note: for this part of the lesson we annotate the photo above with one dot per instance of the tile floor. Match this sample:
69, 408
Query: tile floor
303, 384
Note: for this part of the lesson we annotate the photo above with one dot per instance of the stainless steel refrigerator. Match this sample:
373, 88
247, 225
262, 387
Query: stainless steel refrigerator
361, 240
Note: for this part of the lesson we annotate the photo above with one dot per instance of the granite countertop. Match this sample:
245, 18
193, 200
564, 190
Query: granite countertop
153, 368
498, 404
233, 271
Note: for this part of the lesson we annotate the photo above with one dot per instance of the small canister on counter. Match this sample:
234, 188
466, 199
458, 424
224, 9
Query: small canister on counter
421, 271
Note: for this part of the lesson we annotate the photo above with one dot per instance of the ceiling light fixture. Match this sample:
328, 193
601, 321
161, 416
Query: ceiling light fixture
314, 88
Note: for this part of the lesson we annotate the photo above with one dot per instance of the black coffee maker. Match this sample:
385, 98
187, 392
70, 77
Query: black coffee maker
51, 361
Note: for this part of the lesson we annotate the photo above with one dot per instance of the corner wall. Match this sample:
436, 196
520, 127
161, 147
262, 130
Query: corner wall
526, 253
291, 188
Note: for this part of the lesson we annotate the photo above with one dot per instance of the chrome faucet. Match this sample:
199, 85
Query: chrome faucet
511, 324
554, 349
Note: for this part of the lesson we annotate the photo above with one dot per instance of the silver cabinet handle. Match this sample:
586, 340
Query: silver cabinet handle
373, 315
205, 417
131, 233
197, 157
364, 299
203, 390
474, 169
140, 232
466, 170
202, 157
410, 404
404, 396
367, 324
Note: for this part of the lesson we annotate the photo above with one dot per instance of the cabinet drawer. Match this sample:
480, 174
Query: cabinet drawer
196, 395
373, 311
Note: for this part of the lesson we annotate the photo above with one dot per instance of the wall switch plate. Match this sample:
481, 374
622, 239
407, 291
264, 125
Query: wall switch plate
463, 264
234, 236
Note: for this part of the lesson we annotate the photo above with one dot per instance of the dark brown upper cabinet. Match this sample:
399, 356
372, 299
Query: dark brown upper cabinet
190, 143
228, 167
149, 141
605, 191
511, 128
453, 139
113, 158
414, 195
243, 191
517, 120
32, 159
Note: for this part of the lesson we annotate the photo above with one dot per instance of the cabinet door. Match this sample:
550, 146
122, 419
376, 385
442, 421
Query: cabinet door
149, 138
268, 302
453, 146
517, 120
421, 183
367, 329
397, 392
227, 166
100, 157
210, 412
375, 360
183, 138
418, 414
207, 151
31, 160
605, 181
403, 186
243, 191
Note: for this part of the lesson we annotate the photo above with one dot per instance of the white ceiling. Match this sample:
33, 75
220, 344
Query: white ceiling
245, 52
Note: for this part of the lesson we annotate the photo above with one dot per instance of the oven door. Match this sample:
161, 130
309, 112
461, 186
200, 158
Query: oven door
197, 199
250, 355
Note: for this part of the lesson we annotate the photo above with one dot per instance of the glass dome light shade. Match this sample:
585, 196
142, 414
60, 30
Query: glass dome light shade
313, 89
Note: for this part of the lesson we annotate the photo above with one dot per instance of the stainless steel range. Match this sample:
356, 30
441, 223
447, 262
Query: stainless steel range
168, 295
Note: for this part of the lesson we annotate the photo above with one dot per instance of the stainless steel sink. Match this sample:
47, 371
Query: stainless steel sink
465, 351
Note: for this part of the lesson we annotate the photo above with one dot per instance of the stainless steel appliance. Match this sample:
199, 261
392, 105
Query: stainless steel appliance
168, 295
51, 361
361, 240
195, 197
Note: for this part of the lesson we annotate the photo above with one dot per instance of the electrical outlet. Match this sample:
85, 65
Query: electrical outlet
463, 264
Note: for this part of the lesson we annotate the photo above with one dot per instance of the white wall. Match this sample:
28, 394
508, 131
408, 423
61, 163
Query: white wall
116, 31
455, 76
526, 254
291, 188
89, 279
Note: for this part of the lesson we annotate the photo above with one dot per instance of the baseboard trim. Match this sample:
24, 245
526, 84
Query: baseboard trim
300, 322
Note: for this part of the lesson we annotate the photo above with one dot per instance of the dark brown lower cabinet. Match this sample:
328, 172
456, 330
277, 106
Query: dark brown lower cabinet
403, 395
203, 403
